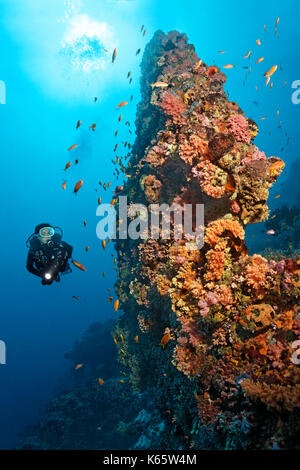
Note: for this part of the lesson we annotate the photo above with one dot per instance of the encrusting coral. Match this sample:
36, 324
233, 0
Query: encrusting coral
232, 318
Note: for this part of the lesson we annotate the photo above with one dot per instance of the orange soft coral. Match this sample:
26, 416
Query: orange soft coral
219, 227
274, 396
255, 273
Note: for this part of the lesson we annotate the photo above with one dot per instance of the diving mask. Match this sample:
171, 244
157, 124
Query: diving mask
46, 233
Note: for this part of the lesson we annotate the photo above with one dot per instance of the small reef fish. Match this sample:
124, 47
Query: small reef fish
76, 162
103, 244
270, 72
258, 42
136, 339
228, 66
278, 196
221, 52
87, 248
138, 51
84, 223
276, 22
99, 200
116, 306
78, 124
114, 55
123, 103
93, 127
165, 339
159, 85
95, 99
78, 366
271, 232
75, 297
198, 65
110, 299
78, 186
101, 382
259, 60
78, 265
64, 185
247, 55
120, 117
73, 147
68, 165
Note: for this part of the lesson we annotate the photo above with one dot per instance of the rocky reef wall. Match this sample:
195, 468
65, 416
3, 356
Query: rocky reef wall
209, 332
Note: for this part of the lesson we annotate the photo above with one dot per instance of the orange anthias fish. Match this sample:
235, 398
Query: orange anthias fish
159, 85
120, 117
78, 366
87, 248
114, 55
78, 124
116, 305
198, 65
68, 165
73, 147
165, 339
258, 42
93, 127
103, 244
78, 265
123, 103
84, 223
228, 66
247, 55
64, 185
78, 186
101, 382
136, 339
110, 299
270, 72
260, 60
276, 22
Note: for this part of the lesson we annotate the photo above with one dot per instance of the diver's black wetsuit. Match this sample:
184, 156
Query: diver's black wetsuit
51, 257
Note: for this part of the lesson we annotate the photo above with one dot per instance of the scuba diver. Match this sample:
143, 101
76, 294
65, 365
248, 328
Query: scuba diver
48, 255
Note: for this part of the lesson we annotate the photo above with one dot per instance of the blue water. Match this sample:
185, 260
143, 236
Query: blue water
48, 88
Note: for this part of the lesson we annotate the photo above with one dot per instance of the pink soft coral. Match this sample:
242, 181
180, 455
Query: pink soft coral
173, 107
239, 128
